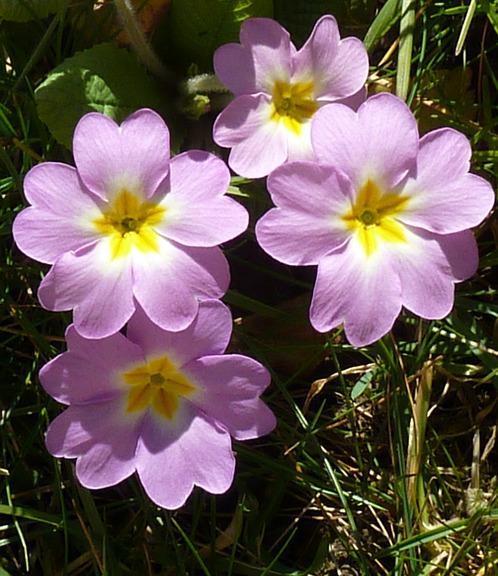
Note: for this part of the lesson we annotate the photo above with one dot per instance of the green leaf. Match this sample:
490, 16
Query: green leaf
491, 10
24, 10
362, 384
384, 21
196, 28
104, 79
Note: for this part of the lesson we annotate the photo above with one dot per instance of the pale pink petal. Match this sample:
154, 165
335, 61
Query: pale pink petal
313, 61
306, 226
133, 156
271, 50
173, 457
443, 154
429, 265
109, 461
445, 198
337, 68
103, 439
234, 66
99, 291
87, 371
299, 147
462, 254
261, 153
203, 224
319, 191
379, 142
79, 427
45, 237
259, 144
60, 218
197, 212
231, 386
363, 293
198, 176
208, 334
168, 284
348, 71
242, 118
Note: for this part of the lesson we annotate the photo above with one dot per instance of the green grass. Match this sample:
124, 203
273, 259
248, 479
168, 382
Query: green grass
384, 458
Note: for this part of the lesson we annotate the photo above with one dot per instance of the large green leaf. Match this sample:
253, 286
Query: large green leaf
196, 28
23, 10
105, 79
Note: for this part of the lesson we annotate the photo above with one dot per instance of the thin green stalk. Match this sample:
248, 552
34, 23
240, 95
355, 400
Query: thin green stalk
465, 26
407, 26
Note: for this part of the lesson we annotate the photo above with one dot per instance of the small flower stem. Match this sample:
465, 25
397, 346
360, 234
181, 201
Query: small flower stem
138, 40
204, 84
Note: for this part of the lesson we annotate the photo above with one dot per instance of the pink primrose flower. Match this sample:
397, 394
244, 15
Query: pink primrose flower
162, 404
385, 216
128, 225
278, 89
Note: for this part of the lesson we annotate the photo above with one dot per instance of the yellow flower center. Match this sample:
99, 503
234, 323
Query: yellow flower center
159, 384
293, 104
372, 217
129, 223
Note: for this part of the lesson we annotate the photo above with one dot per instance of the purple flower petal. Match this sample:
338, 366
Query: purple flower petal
445, 198
260, 153
363, 293
305, 226
99, 291
428, 267
231, 387
59, 219
197, 212
133, 156
87, 372
263, 57
171, 459
379, 142
169, 283
234, 66
80, 427
338, 68
258, 144
118, 424
208, 334
241, 119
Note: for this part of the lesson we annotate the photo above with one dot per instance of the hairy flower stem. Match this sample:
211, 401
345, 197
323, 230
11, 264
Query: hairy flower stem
138, 40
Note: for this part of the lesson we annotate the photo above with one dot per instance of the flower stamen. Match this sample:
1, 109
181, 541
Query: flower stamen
128, 221
373, 217
159, 384
293, 104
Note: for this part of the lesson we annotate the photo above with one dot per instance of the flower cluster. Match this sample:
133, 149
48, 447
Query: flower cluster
132, 237
385, 214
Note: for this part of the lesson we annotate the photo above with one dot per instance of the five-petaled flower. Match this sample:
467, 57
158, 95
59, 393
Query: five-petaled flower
128, 225
162, 404
278, 89
385, 216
